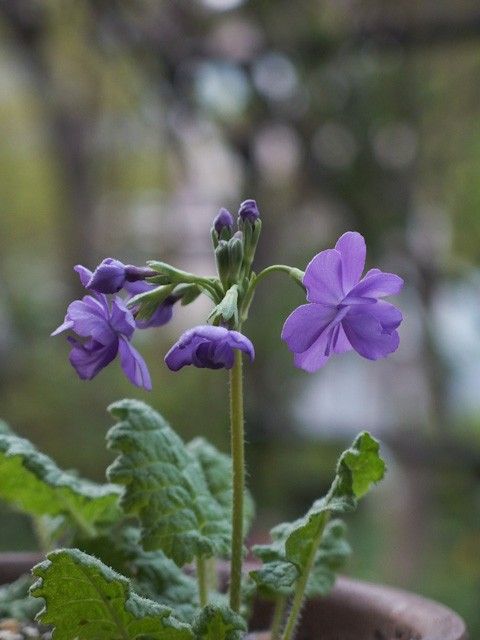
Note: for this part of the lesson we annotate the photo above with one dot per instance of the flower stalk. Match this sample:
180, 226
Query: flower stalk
238, 476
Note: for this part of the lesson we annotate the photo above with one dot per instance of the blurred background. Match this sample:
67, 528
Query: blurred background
126, 125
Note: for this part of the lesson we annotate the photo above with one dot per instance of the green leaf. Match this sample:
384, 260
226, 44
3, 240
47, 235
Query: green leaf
160, 579
278, 576
32, 482
217, 468
16, 602
152, 574
311, 544
165, 486
359, 467
227, 308
219, 623
86, 600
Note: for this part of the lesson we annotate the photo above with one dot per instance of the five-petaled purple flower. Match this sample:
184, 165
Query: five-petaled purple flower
345, 310
111, 275
208, 347
105, 331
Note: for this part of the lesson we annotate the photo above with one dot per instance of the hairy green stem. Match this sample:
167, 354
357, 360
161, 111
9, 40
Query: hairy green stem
238, 481
299, 595
278, 614
202, 579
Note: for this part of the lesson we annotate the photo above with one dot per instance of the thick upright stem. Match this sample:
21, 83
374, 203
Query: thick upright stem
238, 468
202, 579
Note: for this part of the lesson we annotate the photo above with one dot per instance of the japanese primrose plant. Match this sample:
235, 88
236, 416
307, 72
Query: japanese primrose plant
135, 558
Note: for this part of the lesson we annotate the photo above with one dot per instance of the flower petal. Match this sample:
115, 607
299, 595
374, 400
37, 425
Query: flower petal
133, 365
89, 320
315, 356
237, 340
65, 326
305, 324
83, 273
323, 278
377, 285
341, 343
108, 277
163, 314
353, 251
181, 355
371, 330
121, 318
139, 286
90, 358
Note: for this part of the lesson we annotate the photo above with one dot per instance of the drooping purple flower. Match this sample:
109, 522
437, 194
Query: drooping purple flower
345, 311
164, 312
223, 220
111, 275
105, 330
208, 347
248, 211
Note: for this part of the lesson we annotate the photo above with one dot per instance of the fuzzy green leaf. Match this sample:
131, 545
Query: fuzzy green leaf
86, 600
32, 482
278, 576
217, 468
16, 602
165, 486
152, 574
219, 623
293, 544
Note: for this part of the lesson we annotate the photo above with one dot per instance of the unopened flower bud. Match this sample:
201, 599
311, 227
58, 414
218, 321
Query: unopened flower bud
223, 220
223, 262
235, 256
248, 211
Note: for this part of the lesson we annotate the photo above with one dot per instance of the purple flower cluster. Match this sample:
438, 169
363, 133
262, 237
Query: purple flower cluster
105, 330
344, 310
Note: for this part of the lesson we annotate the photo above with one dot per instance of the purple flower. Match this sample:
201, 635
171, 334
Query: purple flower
111, 275
345, 311
248, 211
208, 347
223, 220
105, 331
164, 312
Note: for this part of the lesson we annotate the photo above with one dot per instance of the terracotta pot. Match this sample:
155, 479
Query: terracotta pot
353, 611
362, 611
13, 565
